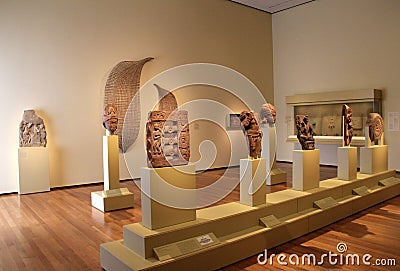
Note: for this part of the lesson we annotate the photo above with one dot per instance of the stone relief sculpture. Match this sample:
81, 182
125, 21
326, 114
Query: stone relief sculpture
167, 133
32, 131
305, 133
268, 114
252, 132
347, 113
121, 90
375, 123
110, 118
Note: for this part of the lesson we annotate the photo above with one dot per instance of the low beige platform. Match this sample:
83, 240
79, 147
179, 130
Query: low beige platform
276, 176
241, 231
110, 200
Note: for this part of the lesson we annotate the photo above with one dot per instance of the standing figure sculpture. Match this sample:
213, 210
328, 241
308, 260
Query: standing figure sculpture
32, 131
347, 113
110, 118
252, 132
305, 134
375, 123
268, 114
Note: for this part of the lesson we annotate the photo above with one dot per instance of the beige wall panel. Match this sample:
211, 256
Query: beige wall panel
337, 45
57, 56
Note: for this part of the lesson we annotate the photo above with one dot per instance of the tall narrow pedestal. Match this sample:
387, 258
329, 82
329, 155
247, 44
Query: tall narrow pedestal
274, 174
347, 163
111, 162
33, 168
160, 187
252, 181
113, 197
373, 159
305, 169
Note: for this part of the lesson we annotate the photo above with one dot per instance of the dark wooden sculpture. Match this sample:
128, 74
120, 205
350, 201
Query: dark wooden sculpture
305, 134
167, 133
252, 132
110, 118
375, 123
347, 113
32, 132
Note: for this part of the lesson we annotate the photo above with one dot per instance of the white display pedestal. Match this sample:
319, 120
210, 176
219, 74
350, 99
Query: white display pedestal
252, 181
113, 197
274, 174
305, 169
347, 163
158, 184
33, 168
373, 159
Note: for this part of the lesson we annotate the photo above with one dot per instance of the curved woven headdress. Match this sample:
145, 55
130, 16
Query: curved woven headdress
121, 89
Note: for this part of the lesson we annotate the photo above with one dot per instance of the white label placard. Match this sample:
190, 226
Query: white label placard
394, 121
204, 240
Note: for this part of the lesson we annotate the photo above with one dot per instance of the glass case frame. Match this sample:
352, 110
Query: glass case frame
324, 110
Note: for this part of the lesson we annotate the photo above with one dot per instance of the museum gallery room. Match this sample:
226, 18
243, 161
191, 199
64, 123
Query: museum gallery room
200, 135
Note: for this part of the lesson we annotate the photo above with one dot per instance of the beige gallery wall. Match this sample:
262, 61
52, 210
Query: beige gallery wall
330, 45
56, 55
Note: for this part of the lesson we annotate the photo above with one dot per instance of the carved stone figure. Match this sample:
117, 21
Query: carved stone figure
252, 132
305, 134
110, 118
347, 113
268, 113
375, 123
32, 131
121, 89
167, 133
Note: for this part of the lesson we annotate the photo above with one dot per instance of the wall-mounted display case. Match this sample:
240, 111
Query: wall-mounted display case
325, 113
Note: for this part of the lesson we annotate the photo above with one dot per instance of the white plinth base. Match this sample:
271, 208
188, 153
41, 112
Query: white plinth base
157, 185
305, 169
276, 176
111, 200
252, 181
347, 163
33, 168
373, 159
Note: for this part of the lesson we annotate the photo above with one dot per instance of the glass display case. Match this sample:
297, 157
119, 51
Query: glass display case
325, 113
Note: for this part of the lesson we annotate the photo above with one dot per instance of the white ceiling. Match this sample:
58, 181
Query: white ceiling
272, 6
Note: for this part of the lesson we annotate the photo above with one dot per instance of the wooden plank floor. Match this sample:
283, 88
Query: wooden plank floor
60, 230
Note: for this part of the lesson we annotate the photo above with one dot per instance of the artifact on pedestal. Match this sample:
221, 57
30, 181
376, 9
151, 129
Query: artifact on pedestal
347, 113
375, 124
112, 197
268, 114
252, 132
167, 133
110, 118
305, 133
32, 132
121, 89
